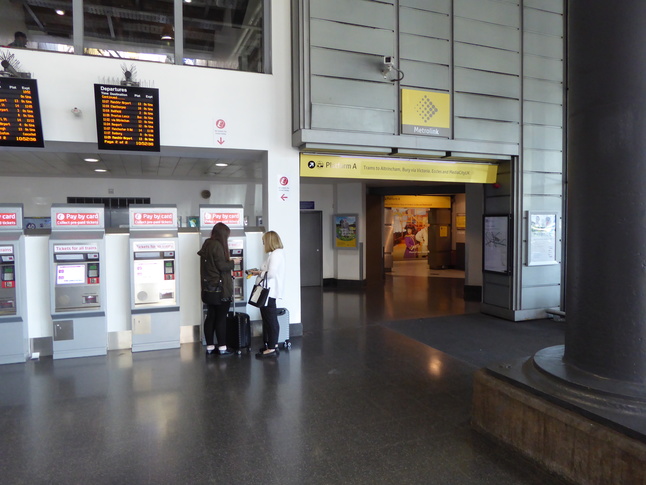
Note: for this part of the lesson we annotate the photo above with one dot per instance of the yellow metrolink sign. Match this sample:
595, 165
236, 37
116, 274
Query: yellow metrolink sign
426, 113
332, 166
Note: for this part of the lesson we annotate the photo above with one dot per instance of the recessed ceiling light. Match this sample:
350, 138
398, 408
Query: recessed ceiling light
60, 12
91, 160
100, 170
221, 164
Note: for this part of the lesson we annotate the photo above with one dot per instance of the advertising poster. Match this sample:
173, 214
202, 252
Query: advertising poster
345, 231
410, 233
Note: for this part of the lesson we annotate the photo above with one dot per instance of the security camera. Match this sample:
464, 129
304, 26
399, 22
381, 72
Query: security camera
389, 60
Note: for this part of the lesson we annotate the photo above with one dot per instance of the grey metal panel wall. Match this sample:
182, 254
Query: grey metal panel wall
425, 45
357, 12
350, 92
541, 165
497, 288
486, 40
492, 11
352, 38
440, 6
424, 75
425, 49
491, 83
485, 34
347, 118
502, 61
486, 59
347, 42
486, 107
427, 24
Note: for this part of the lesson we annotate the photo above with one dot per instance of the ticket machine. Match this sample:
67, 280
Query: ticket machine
77, 258
232, 216
154, 277
14, 342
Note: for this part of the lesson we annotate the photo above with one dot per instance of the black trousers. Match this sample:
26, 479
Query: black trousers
270, 326
216, 320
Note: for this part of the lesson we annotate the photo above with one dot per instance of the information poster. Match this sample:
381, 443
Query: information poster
20, 123
542, 238
345, 231
127, 117
496, 247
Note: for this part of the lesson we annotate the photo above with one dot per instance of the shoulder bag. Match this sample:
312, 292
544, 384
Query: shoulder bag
259, 293
212, 295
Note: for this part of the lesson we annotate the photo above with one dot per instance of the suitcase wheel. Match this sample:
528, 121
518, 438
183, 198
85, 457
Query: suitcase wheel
287, 344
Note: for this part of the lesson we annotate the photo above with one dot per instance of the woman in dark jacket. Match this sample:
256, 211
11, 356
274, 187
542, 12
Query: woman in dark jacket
216, 266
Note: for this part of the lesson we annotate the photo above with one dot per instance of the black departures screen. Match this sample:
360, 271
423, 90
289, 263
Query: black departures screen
20, 123
127, 117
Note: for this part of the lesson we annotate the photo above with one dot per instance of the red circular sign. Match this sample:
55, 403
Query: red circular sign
284, 181
220, 124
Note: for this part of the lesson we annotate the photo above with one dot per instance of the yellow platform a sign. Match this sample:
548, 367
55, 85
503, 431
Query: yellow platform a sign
333, 166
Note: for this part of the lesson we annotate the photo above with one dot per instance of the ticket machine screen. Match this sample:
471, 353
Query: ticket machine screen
70, 274
154, 278
77, 281
7, 284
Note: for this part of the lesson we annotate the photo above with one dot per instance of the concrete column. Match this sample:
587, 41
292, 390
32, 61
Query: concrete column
606, 217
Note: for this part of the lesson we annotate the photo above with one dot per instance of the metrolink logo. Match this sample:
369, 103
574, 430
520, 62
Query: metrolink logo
334, 165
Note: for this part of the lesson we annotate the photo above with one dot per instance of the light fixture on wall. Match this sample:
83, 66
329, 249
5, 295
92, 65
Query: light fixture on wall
167, 32
388, 70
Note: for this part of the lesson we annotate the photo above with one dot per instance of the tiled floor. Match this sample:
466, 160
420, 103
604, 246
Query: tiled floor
354, 401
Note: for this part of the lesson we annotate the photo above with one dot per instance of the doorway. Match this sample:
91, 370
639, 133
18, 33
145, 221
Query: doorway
311, 248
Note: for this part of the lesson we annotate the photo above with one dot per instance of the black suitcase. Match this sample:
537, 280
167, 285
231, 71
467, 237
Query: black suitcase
238, 331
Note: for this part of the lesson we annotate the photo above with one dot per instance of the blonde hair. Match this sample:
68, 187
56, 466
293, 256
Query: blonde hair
271, 241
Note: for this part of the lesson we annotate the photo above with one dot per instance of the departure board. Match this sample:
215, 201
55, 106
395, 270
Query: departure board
127, 117
20, 123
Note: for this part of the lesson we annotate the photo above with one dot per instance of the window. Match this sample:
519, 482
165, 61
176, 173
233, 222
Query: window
226, 34
130, 29
47, 26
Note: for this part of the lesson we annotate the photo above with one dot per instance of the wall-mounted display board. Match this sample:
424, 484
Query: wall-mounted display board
542, 238
20, 123
127, 117
496, 249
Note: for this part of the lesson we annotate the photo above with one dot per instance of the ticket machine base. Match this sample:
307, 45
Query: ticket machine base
14, 347
155, 330
80, 336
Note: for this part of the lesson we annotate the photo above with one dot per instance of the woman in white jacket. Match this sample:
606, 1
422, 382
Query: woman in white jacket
273, 269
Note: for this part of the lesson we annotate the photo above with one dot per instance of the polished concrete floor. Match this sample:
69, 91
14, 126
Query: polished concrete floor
362, 397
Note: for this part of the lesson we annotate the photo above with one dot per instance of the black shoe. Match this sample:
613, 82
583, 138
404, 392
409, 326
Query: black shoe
225, 352
273, 353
